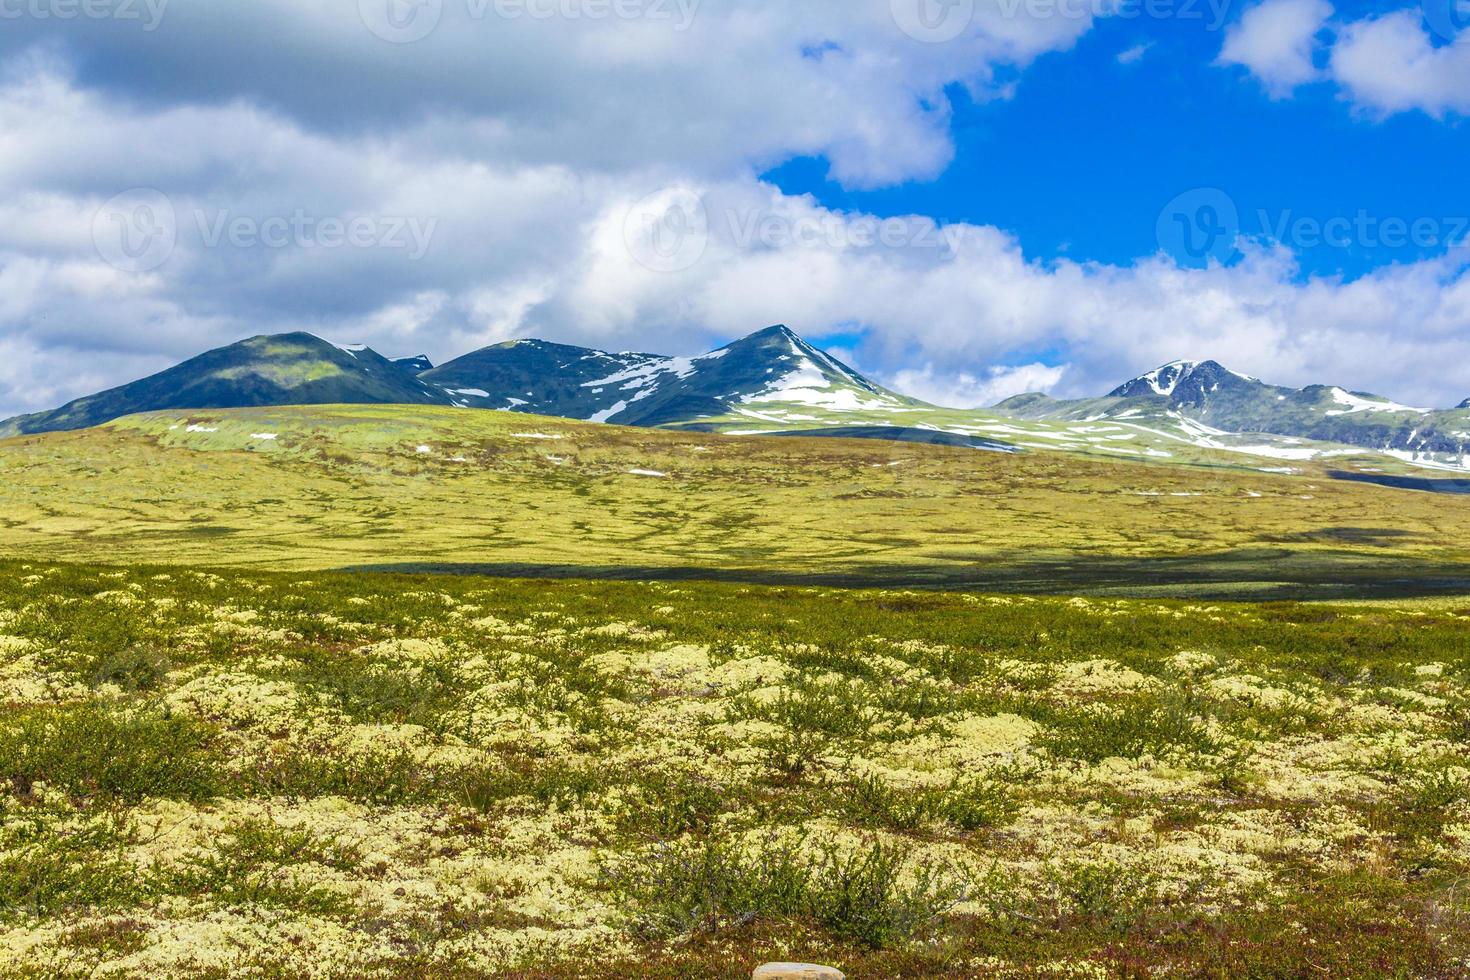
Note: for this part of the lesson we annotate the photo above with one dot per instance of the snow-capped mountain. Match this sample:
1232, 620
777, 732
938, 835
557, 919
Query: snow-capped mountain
771, 369
1183, 381
774, 382
417, 364
1464, 405
537, 378
1214, 399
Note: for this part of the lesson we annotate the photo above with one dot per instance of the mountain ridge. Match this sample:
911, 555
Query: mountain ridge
775, 382
1208, 394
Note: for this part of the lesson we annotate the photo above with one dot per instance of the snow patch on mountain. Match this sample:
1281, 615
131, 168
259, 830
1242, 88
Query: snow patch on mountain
1367, 403
1165, 380
608, 414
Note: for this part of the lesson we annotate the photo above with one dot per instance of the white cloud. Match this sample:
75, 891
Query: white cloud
1383, 64
1388, 65
710, 87
1133, 55
965, 390
532, 233
1276, 41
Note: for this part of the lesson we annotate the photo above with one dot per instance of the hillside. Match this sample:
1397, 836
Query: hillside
290, 369
402, 486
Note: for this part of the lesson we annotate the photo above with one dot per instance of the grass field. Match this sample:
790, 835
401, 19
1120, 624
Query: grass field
691, 703
218, 774
503, 494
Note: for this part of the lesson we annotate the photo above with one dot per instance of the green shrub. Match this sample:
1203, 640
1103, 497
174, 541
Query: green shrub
971, 804
1128, 730
57, 873
865, 896
88, 750
256, 864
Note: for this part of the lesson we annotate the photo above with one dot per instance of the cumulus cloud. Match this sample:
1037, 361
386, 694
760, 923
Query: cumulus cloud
583, 214
965, 390
708, 86
1276, 41
1409, 60
1389, 65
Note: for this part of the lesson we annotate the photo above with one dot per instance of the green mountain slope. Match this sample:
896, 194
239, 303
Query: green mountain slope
290, 369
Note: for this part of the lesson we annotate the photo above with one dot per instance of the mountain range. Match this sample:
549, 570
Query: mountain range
774, 382
1217, 398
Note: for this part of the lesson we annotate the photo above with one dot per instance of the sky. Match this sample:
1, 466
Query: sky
967, 199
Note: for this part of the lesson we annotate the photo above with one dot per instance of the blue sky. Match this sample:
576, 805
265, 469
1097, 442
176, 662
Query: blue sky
1081, 160
1076, 194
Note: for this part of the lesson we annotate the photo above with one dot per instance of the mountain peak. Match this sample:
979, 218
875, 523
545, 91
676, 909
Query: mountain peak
1464, 404
1181, 378
779, 330
772, 367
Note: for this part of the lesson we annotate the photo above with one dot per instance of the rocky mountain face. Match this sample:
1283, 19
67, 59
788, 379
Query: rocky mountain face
648, 389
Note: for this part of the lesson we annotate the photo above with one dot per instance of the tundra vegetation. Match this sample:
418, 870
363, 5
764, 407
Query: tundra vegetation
421, 487
308, 773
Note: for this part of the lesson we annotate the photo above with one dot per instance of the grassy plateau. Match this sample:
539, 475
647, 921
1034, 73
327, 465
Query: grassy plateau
690, 703
423, 488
